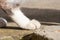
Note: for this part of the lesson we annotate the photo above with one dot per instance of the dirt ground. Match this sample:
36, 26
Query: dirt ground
45, 11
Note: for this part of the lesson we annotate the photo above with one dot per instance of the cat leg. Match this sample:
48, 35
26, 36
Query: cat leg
23, 21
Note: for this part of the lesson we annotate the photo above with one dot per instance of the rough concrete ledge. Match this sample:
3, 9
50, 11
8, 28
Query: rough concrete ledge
46, 32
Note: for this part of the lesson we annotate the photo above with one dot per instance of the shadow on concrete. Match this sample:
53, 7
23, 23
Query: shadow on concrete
35, 37
10, 27
45, 15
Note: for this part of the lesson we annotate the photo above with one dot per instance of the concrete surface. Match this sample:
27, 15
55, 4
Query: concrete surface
46, 11
46, 32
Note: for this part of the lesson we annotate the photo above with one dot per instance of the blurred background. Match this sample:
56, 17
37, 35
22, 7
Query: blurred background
46, 11
42, 10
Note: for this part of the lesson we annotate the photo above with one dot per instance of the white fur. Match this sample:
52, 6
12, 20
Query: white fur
23, 21
19, 17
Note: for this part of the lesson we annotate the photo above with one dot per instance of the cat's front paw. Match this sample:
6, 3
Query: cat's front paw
33, 24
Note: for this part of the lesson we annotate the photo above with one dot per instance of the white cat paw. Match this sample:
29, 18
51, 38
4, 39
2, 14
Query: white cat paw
33, 24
